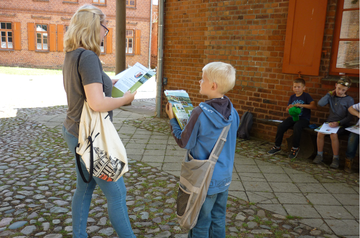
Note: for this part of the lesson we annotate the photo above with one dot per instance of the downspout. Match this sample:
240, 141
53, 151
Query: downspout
120, 37
151, 19
159, 73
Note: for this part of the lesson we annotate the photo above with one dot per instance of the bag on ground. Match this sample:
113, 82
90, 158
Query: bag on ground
246, 123
195, 177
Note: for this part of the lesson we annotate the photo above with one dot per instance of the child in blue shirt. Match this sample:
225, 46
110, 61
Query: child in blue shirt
199, 137
303, 101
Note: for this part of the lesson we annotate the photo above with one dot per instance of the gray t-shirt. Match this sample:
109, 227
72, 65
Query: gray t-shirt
338, 108
91, 71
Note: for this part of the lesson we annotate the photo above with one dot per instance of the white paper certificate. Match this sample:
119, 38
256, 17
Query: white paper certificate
326, 129
353, 129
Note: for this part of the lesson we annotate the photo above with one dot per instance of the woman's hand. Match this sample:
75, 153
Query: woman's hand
114, 81
129, 97
169, 110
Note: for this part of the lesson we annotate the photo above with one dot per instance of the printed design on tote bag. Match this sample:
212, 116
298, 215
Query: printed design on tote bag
106, 167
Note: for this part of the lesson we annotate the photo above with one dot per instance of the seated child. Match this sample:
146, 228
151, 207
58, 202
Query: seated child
300, 100
339, 103
200, 135
353, 141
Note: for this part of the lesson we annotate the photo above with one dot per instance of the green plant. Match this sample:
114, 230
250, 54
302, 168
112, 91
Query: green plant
257, 219
290, 217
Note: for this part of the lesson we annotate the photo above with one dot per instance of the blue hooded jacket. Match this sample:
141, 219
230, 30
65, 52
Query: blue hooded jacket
201, 133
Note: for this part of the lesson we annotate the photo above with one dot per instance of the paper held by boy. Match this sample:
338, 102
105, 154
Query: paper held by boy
354, 129
326, 129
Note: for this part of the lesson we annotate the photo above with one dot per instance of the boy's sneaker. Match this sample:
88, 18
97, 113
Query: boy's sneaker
274, 150
294, 153
348, 165
318, 159
335, 163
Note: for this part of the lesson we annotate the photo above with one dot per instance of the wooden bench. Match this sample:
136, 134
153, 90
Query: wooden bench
308, 144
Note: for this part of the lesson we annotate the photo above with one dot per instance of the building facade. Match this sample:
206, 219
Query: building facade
270, 43
32, 31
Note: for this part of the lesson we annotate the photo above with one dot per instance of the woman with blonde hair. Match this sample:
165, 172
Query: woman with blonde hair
82, 41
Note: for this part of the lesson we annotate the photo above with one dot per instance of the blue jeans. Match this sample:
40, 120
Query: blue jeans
211, 221
352, 146
115, 193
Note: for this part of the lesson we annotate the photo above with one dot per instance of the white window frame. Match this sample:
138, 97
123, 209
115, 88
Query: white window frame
42, 35
7, 35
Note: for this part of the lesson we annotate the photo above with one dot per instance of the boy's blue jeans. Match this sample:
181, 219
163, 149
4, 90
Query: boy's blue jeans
352, 146
115, 193
211, 221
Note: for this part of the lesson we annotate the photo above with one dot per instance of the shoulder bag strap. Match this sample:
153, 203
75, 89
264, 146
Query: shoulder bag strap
215, 153
89, 139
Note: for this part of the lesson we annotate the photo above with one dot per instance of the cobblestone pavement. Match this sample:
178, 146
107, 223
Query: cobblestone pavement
37, 180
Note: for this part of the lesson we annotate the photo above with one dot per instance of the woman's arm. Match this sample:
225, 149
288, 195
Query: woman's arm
99, 103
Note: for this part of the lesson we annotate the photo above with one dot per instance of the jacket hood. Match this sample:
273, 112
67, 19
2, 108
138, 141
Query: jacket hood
218, 111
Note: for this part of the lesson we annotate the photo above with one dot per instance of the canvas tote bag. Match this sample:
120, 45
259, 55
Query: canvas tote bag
195, 177
99, 146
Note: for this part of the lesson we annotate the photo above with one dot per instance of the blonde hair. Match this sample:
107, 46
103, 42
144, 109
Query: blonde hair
222, 74
84, 29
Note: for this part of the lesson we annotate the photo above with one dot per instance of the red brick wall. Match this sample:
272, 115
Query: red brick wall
59, 12
250, 35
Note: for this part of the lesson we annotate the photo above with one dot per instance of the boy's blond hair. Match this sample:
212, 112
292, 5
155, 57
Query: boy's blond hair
84, 29
222, 74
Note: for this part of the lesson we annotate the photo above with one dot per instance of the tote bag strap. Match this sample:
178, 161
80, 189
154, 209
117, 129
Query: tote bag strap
91, 162
77, 65
89, 139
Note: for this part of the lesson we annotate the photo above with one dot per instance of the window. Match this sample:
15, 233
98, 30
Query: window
130, 3
129, 41
102, 2
41, 37
345, 49
102, 47
6, 35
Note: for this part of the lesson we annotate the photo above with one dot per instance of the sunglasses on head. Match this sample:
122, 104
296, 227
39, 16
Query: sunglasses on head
344, 83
